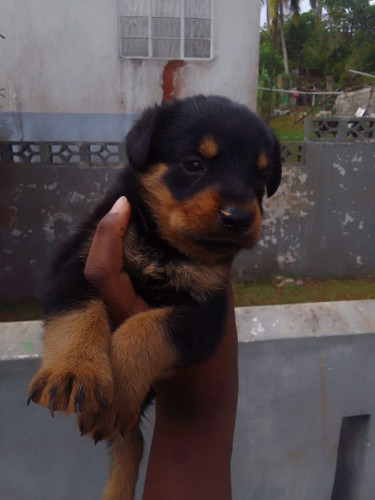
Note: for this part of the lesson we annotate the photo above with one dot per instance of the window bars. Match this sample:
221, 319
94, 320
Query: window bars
165, 29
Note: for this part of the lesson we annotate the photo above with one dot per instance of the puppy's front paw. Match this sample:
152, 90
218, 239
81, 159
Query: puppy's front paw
119, 417
75, 374
74, 385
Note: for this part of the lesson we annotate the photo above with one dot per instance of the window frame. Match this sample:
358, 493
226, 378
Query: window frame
150, 37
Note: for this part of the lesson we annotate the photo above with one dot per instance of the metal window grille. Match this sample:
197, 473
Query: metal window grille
165, 29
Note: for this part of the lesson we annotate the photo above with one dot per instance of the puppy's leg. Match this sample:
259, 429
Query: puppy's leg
141, 351
148, 346
75, 372
126, 453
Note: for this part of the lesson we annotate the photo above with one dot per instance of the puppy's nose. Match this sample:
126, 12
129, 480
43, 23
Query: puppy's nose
235, 219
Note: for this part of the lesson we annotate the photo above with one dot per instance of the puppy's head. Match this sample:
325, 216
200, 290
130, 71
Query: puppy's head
204, 164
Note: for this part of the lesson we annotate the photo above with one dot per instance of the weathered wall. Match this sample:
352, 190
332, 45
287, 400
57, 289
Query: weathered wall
303, 369
61, 58
39, 208
320, 223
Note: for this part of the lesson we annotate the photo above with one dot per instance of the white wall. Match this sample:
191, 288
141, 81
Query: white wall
62, 57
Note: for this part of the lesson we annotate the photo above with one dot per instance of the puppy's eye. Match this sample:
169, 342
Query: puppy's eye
193, 166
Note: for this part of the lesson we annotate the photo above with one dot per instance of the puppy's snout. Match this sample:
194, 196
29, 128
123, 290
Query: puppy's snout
235, 219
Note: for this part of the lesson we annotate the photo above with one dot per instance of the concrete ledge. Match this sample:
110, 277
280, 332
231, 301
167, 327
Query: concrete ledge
22, 340
307, 375
299, 321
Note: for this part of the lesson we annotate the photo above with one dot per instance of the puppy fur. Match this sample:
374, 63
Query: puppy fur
197, 171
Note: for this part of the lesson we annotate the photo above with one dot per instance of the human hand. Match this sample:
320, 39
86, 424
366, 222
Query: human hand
104, 265
196, 408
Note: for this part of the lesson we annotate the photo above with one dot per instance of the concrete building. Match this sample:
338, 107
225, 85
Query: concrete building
81, 70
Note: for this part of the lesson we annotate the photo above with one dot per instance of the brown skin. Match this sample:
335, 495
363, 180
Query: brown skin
196, 408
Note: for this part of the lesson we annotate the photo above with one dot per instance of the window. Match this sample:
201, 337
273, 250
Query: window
165, 29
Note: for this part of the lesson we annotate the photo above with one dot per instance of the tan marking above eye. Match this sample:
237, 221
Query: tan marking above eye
262, 160
208, 147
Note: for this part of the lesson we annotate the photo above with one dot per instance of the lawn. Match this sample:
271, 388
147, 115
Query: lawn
270, 291
259, 291
20, 310
286, 129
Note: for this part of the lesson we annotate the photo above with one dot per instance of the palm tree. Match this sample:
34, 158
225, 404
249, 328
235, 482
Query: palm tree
275, 20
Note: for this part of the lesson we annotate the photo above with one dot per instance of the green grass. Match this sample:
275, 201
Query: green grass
259, 291
267, 292
20, 310
285, 128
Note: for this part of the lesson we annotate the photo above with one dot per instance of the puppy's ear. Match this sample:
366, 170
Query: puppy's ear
138, 139
274, 179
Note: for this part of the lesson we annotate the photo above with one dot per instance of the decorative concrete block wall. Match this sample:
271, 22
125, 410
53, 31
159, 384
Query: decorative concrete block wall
320, 223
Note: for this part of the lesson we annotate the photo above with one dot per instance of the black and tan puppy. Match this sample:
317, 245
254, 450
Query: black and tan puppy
197, 172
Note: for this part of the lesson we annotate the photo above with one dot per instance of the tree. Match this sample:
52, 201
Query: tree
333, 37
276, 10
275, 19
270, 64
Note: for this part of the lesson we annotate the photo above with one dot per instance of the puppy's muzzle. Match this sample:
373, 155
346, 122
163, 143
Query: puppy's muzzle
235, 220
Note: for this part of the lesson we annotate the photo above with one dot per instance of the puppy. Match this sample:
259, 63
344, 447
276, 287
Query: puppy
197, 172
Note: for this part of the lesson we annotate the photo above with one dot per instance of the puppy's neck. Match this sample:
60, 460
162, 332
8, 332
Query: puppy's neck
168, 268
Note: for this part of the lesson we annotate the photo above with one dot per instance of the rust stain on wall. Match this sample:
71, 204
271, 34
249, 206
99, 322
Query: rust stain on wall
170, 80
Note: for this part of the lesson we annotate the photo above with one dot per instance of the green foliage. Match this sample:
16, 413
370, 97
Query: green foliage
335, 36
270, 60
350, 27
270, 64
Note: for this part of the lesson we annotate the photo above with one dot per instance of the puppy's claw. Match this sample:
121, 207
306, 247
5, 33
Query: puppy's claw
77, 408
51, 406
78, 400
30, 397
97, 437
82, 429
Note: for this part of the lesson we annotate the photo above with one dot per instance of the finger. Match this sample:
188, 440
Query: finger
121, 299
106, 252
104, 265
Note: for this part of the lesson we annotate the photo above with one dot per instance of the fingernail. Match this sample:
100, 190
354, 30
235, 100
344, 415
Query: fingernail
120, 203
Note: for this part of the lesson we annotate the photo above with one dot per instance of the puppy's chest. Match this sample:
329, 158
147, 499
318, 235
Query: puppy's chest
156, 272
